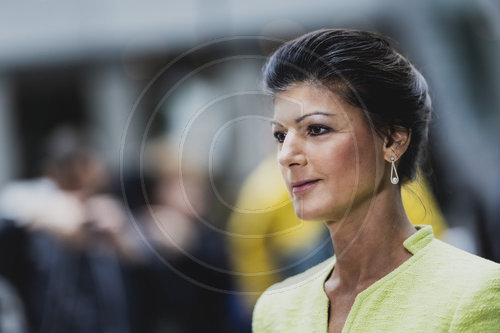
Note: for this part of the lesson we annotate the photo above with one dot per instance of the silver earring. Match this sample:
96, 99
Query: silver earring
394, 172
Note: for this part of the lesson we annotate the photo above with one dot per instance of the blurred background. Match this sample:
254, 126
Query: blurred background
138, 190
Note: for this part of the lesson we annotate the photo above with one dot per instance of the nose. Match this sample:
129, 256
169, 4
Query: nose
291, 152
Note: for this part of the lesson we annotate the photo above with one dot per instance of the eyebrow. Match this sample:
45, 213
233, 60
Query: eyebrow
298, 120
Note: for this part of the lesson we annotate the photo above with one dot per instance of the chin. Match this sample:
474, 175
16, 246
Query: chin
308, 214
319, 210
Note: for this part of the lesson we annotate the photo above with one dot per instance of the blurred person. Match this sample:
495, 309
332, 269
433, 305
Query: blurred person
351, 118
174, 202
281, 245
77, 240
173, 287
74, 180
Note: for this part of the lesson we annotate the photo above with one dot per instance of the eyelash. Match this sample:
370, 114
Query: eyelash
280, 135
323, 129
277, 136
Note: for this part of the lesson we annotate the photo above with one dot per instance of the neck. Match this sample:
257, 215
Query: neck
369, 242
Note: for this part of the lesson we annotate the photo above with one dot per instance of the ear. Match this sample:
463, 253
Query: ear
396, 142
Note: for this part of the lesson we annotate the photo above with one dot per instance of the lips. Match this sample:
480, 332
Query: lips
304, 185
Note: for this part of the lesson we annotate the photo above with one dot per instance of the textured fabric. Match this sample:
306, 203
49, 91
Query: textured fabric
439, 289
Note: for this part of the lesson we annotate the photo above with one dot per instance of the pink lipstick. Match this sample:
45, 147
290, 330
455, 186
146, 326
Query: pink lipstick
303, 185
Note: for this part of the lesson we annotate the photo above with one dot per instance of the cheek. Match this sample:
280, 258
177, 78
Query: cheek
349, 166
367, 165
340, 158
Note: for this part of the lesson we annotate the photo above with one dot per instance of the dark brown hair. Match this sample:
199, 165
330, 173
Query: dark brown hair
365, 70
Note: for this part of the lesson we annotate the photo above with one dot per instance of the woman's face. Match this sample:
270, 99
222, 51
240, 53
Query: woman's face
330, 158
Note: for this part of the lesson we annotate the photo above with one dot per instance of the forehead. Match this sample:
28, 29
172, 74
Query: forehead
305, 98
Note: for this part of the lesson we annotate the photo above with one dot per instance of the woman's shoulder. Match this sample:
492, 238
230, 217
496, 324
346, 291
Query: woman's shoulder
468, 281
478, 282
453, 259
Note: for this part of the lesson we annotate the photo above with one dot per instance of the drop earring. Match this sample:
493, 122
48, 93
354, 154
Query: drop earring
394, 172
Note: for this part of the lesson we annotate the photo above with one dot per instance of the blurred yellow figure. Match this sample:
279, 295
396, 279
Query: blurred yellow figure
268, 242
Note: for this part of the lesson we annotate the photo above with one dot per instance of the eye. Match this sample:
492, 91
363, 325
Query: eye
315, 130
280, 136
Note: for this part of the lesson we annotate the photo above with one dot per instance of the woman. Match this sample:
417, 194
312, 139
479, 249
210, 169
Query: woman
351, 120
